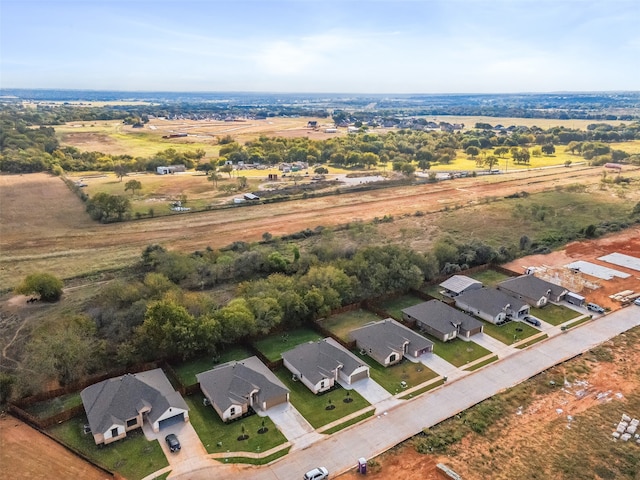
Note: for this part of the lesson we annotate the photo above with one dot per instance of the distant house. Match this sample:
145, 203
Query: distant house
533, 290
459, 284
166, 170
491, 305
119, 405
318, 365
234, 387
388, 341
312, 124
442, 321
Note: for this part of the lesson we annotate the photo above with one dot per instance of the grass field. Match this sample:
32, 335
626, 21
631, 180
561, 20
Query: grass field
342, 324
273, 345
489, 278
134, 457
479, 365
314, 407
554, 314
217, 436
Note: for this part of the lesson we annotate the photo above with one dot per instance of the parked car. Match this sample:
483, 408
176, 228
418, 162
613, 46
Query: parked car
637, 301
595, 308
319, 473
172, 442
532, 321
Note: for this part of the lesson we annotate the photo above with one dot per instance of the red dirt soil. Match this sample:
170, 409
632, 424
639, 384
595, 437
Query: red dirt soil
27, 454
627, 243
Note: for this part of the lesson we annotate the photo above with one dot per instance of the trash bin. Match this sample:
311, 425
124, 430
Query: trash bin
362, 465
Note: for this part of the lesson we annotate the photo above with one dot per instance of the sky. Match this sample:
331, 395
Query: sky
332, 46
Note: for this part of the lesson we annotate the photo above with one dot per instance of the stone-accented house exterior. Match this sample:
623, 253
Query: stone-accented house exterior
442, 321
491, 305
459, 284
388, 341
233, 387
318, 365
121, 404
533, 290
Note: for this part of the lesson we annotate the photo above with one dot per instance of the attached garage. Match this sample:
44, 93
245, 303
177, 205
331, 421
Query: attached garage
167, 422
359, 375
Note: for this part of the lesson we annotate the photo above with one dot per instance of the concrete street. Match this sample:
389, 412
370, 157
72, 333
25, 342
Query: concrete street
339, 452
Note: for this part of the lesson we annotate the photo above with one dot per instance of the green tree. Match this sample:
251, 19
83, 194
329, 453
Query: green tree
242, 183
548, 149
170, 329
490, 161
472, 151
133, 185
46, 285
227, 168
120, 170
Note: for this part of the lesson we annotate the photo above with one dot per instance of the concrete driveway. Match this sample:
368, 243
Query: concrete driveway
191, 457
373, 393
493, 345
440, 366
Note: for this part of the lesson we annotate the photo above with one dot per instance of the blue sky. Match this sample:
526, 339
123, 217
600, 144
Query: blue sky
342, 46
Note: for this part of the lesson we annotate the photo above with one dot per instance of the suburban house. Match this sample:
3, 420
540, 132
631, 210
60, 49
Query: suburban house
533, 290
442, 321
234, 387
166, 170
318, 365
388, 341
118, 405
459, 284
491, 305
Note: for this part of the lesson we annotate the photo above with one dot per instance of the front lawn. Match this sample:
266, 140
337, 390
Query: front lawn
187, 371
554, 314
390, 378
314, 407
55, 405
340, 325
217, 436
133, 457
458, 352
395, 306
273, 345
510, 332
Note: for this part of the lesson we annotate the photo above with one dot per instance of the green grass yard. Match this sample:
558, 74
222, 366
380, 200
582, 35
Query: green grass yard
554, 314
133, 457
187, 371
340, 325
458, 352
510, 332
217, 436
395, 306
54, 406
313, 407
489, 278
274, 345
390, 378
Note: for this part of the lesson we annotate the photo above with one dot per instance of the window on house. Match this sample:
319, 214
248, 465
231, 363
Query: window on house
322, 384
114, 432
232, 411
132, 422
393, 357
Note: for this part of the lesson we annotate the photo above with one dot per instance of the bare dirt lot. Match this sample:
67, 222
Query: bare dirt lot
596, 290
27, 454
45, 227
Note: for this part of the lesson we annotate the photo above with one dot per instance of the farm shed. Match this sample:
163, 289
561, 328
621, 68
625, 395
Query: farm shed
459, 284
169, 169
251, 196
